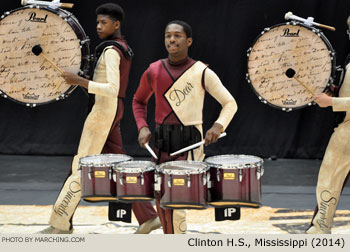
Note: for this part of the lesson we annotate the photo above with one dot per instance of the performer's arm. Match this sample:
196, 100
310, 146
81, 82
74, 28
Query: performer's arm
111, 88
337, 103
139, 107
216, 89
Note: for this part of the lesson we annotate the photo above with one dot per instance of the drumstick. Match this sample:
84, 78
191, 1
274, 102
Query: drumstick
37, 50
151, 151
193, 146
291, 74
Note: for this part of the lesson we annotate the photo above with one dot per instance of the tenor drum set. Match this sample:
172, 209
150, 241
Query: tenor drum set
220, 181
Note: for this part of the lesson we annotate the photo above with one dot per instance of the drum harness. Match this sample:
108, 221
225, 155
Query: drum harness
172, 137
128, 54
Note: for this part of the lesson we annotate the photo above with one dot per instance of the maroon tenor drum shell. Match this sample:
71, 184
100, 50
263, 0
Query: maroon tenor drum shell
183, 184
97, 183
235, 181
135, 181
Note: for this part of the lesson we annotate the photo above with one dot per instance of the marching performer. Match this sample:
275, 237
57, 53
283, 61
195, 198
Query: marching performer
335, 166
179, 84
101, 132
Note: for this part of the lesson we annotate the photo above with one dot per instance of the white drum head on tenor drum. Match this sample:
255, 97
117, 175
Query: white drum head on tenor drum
103, 159
182, 167
287, 46
30, 79
135, 166
234, 161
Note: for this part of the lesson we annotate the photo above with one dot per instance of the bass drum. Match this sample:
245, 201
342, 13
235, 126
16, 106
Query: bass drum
296, 48
30, 79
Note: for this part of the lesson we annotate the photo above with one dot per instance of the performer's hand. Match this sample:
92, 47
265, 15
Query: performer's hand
213, 134
144, 136
74, 79
323, 100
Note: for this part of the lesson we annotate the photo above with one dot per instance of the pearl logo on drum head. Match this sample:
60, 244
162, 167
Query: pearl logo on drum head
288, 33
34, 18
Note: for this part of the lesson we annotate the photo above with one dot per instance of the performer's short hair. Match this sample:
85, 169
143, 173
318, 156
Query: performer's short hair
111, 9
187, 28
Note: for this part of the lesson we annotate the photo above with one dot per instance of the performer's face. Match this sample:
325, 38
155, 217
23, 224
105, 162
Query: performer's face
106, 26
176, 41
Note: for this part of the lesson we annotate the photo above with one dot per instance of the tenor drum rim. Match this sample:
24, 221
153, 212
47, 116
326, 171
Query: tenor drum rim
88, 161
183, 167
331, 55
82, 39
257, 161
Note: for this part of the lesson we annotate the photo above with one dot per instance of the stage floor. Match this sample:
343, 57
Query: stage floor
29, 186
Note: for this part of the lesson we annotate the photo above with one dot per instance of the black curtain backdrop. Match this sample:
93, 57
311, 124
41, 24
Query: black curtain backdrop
223, 30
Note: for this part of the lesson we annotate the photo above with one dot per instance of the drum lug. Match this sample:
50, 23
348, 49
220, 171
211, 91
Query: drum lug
110, 173
258, 173
240, 175
83, 42
114, 177
121, 177
79, 172
218, 175
142, 179
90, 173
169, 181
157, 183
188, 180
204, 179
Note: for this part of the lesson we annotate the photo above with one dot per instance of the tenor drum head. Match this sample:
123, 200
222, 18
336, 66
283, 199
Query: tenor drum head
182, 167
103, 159
304, 50
135, 166
30, 79
234, 161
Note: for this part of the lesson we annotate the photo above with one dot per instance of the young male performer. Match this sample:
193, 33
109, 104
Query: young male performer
101, 132
179, 84
335, 166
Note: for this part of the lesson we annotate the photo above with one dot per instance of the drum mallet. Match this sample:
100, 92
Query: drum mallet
309, 21
193, 146
291, 74
54, 4
37, 50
